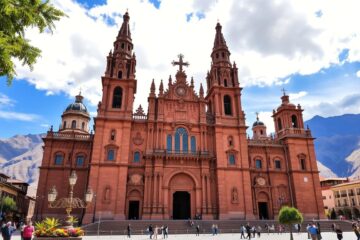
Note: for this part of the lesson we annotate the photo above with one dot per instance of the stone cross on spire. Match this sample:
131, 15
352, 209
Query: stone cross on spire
181, 63
283, 90
257, 116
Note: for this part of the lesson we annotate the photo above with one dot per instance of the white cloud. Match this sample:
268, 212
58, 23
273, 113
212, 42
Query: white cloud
18, 116
5, 100
294, 96
269, 40
358, 74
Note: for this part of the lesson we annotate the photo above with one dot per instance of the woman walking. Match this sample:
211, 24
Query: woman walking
28, 231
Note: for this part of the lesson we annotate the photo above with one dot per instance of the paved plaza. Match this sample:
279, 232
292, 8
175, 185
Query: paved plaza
284, 236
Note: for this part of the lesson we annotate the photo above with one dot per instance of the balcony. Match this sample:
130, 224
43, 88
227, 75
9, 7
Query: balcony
337, 195
343, 195
351, 194
293, 132
172, 153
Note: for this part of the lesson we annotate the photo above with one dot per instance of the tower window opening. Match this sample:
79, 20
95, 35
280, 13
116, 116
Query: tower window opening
227, 105
217, 55
59, 158
80, 160
223, 54
73, 124
120, 75
83, 126
277, 164
294, 122
258, 164
123, 45
111, 155
136, 157
279, 123
302, 163
225, 83
64, 125
231, 159
129, 47
261, 132
231, 141
117, 97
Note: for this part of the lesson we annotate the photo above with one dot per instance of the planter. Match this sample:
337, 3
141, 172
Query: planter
57, 238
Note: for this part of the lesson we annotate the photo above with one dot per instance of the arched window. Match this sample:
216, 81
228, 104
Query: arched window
112, 135
258, 164
64, 125
294, 122
136, 157
181, 132
261, 132
227, 105
302, 164
279, 123
120, 74
83, 126
193, 144
169, 142
277, 164
80, 160
73, 124
59, 158
225, 83
111, 155
122, 45
231, 159
117, 97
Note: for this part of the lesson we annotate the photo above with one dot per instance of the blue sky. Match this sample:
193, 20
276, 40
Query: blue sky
322, 76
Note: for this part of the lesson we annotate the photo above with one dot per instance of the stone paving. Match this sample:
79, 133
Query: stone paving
284, 236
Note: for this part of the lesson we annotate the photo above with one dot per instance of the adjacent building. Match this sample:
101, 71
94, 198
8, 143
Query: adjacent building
188, 156
347, 199
327, 192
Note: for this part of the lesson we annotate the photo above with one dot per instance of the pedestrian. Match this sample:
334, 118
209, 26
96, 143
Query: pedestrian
213, 229
258, 230
307, 230
22, 226
266, 227
7, 231
242, 231
313, 231
333, 227
299, 227
129, 231
156, 230
253, 231
151, 232
197, 230
356, 230
165, 231
318, 231
339, 233
216, 229
28, 231
248, 231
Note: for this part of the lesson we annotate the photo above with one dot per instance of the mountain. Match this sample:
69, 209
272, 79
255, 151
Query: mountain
337, 143
20, 158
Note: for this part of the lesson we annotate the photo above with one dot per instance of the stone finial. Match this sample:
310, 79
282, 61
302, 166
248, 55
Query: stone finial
161, 88
152, 88
201, 91
192, 82
170, 80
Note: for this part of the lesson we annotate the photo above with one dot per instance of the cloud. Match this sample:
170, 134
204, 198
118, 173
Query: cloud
5, 100
358, 74
294, 96
269, 40
18, 116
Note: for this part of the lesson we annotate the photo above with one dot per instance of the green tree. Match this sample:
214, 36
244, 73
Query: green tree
290, 216
8, 205
15, 17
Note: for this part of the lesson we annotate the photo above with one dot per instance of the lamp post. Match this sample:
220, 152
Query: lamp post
69, 203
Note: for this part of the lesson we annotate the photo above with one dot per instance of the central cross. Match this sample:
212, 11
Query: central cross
181, 63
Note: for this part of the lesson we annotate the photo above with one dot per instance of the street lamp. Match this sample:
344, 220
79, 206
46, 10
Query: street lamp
69, 203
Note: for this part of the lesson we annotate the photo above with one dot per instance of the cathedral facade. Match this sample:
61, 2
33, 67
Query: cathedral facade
189, 156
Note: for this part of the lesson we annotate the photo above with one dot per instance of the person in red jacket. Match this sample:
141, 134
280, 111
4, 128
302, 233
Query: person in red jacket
28, 231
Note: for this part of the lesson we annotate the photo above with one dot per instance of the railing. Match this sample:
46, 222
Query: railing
71, 135
180, 153
294, 131
139, 117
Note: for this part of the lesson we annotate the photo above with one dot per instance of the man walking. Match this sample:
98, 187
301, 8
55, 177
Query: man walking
242, 231
313, 231
129, 231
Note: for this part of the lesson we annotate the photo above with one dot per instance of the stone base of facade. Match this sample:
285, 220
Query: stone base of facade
57, 238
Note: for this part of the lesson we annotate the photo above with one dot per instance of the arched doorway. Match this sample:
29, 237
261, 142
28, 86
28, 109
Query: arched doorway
181, 205
263, 206
134, 205
182, 197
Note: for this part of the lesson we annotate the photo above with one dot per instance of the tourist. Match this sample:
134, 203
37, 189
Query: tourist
258, 230
216, 229
298, 227
129, 231
356, 230
150, 230
333, 227
22, 226
7, 231
242, 231
165, 232
248, 231
197, 230
253, 231
312, 229
28, 231
318, 231
213, 229
156, 230
339, 233
307, 230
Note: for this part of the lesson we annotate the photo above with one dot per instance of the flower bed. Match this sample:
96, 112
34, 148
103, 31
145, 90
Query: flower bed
49, 229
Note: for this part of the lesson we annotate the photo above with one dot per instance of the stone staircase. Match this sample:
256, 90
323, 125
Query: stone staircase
111, 227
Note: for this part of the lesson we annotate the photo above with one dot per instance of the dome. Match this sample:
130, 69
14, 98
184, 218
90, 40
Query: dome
77, 105
258, 123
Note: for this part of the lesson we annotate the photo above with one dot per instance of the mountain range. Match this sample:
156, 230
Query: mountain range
337, 148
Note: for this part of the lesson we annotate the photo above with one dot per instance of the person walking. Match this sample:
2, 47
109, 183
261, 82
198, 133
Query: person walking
258, 231
318, 231
242, 231
197, 230
22, 226
216, 229
213, 229
28, 231
339, 233
313, 232
129, 231
7, 231
355, 228
151, 232
156, 230
248, 230
165, 231
298, 227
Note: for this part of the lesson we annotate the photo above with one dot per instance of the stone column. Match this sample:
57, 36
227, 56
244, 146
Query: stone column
155, 199
161, 197
208, 193
203, 189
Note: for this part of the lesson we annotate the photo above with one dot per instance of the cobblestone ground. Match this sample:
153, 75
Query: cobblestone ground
285, 236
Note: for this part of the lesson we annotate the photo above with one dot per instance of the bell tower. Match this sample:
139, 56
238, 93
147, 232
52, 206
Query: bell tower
111, 147
230, 144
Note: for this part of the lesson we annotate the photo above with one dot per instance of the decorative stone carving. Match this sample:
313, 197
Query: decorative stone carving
234, 195
138, 140
135, 179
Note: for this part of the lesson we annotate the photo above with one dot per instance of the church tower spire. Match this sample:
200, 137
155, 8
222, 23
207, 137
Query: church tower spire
220, 53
